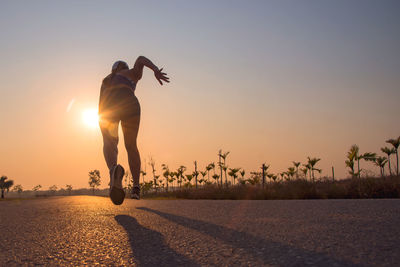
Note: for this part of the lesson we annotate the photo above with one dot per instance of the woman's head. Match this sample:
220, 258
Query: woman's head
119, 65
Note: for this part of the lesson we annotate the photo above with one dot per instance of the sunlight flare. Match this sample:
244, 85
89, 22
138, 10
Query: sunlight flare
90, 118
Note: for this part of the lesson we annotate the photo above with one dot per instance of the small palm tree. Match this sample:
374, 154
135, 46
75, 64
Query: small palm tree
381, 162
296, 165
352, 155
368, 156
171, 178
283, 175
304, 171
177, 178
152, 164
272, 176
395, 143
203, 175
156, 183
388, 152
189, 178
291, 172
215, 177
5, 184
242, 180
308, 167
242, 173
312, 162
195, 173
181, 170
233, 173
225, 168
350, 164
166, 174
209, 167
143, 173
222, 165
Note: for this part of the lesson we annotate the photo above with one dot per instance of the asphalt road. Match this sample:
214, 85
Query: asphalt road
89, 230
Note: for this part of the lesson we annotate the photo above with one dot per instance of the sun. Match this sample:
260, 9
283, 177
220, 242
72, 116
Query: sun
90, 118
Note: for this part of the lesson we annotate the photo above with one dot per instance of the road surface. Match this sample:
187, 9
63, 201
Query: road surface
80, 230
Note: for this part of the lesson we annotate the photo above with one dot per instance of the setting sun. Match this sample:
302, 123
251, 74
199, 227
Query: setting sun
90, 118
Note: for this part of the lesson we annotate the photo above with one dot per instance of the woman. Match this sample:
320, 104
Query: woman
119, 103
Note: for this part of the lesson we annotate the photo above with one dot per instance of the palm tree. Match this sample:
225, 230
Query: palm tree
152, 163
143, 173
272, 176
352, 155
395, 143
171, 178
181, 170
223, 165
304, 171
368, 156
203, 175
215, 177
308, 167
296, 164
210, 167
388, 152
242, 173
312, 162
189, 177
5, 185
350, 164
195, 173
291, 172
165, 174
156, 181
233, 173
381, 162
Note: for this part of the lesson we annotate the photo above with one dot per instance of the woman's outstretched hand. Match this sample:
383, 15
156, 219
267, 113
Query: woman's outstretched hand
161, 76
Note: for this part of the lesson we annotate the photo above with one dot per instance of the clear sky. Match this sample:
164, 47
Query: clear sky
270, 81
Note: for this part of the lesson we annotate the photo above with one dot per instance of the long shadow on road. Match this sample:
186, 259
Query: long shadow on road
270, 252
148, 246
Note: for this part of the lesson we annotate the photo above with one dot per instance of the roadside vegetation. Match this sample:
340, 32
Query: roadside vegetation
218, 180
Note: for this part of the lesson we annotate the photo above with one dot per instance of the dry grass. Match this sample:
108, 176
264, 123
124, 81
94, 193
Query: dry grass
370, 187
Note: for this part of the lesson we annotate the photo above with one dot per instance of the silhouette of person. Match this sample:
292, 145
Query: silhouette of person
118, 103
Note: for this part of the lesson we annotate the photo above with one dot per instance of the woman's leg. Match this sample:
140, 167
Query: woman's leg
109, 131
130, 128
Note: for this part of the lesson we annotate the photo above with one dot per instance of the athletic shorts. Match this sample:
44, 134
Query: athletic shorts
118, 103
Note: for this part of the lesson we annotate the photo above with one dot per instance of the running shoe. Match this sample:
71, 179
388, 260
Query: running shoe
117, 193
135, 194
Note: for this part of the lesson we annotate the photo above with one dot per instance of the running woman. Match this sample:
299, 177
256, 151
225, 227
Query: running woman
118, 103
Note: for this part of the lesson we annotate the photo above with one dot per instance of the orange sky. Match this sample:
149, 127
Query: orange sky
272, 89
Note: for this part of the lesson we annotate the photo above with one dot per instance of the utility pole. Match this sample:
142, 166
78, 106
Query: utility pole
220, 164
263, 175
333, 173
195, 171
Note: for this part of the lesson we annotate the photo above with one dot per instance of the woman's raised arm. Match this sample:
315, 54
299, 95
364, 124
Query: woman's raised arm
137, 70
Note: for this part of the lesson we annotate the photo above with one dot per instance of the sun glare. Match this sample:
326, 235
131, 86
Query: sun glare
90, 118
